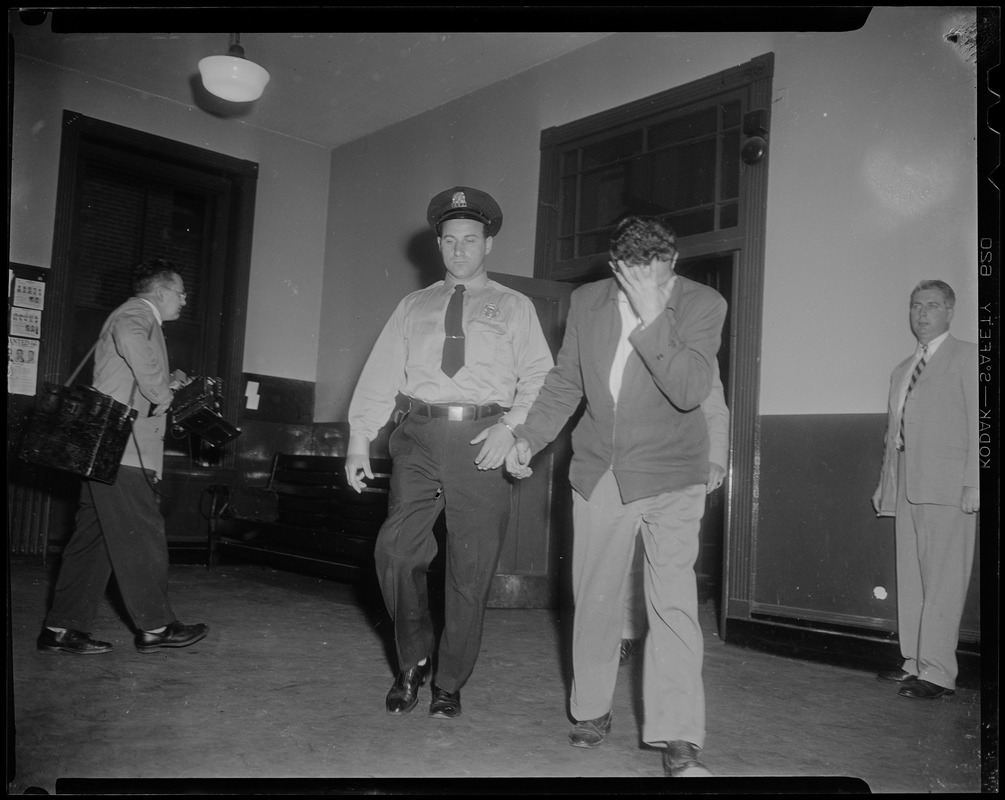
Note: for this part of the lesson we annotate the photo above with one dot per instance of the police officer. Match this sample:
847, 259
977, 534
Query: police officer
470, 356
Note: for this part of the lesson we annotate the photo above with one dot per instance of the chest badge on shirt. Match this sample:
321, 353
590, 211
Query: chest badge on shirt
490, 311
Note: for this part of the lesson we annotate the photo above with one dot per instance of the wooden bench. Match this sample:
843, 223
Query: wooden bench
307, 513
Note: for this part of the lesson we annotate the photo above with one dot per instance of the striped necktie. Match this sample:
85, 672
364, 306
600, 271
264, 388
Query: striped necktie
910, 387
453, 345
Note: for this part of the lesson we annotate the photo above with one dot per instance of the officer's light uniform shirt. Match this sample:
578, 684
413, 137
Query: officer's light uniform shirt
506, 357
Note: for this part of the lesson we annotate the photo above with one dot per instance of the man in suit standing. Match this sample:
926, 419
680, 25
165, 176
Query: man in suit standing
930, 483
119, 527
641, 349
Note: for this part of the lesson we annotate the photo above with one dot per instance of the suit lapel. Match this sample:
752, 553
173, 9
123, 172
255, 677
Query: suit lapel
939, 361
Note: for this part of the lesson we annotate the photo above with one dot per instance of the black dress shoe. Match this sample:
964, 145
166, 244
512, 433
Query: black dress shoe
924, 690
174, 635
445, 705
895, 676
70, 641
627, 650
680, 760
404, 693
591, 732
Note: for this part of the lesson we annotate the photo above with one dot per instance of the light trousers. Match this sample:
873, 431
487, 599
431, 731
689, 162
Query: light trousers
935, 555
603, 548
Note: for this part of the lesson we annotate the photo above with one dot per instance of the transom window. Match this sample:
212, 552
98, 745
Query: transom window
684, 168
675, 155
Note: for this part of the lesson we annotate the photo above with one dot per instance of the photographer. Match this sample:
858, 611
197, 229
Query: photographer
119, 527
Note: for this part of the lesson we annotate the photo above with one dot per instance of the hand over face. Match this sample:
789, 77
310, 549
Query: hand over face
647, 286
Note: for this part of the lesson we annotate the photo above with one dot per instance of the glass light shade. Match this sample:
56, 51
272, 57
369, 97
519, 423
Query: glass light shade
231, 78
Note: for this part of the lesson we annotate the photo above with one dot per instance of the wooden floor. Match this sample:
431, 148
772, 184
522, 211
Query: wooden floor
288, 691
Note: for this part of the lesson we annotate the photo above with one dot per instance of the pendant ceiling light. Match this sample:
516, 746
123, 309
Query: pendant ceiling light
232, 77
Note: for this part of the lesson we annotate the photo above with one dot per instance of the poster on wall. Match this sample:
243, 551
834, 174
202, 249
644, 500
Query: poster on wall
25, 304
29, 294
22, 365
25, 322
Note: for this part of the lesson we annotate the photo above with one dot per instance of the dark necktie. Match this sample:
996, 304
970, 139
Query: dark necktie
910, 387
453, 345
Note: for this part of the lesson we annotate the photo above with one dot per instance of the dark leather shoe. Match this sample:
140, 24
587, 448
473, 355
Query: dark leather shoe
895, 676
174, 635
627, 650
680, 760
924, 690
445, 705
404, 694
591, 732
70, 641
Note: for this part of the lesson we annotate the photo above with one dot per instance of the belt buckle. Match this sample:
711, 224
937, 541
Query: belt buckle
455, 413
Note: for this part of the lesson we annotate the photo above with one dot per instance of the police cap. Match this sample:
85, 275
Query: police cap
462, 202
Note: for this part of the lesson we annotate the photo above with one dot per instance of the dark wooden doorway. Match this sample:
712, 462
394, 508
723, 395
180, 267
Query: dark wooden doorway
715, 271
533, 565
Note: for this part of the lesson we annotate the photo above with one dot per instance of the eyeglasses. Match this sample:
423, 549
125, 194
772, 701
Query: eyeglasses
181, 295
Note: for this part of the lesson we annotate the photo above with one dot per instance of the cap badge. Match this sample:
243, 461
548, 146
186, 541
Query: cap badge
458, 200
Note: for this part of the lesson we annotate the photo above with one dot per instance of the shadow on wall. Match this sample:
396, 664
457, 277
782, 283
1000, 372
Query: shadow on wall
424, 254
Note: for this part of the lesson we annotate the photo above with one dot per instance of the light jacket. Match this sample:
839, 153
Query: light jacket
132, 352
940, 430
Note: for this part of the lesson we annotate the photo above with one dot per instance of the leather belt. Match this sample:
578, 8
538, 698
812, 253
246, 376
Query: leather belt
456, 411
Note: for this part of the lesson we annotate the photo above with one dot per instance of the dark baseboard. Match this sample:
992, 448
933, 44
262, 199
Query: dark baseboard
842, 650
185, 553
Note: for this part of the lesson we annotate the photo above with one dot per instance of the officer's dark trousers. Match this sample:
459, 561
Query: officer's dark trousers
434, 470
119, 528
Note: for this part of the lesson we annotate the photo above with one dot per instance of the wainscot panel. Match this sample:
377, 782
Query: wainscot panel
821, 556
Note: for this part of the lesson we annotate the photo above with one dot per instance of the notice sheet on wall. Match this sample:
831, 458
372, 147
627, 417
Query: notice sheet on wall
25, 322
29, 294
22, 365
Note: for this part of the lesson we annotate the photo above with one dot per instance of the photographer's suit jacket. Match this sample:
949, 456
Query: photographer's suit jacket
131, 365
